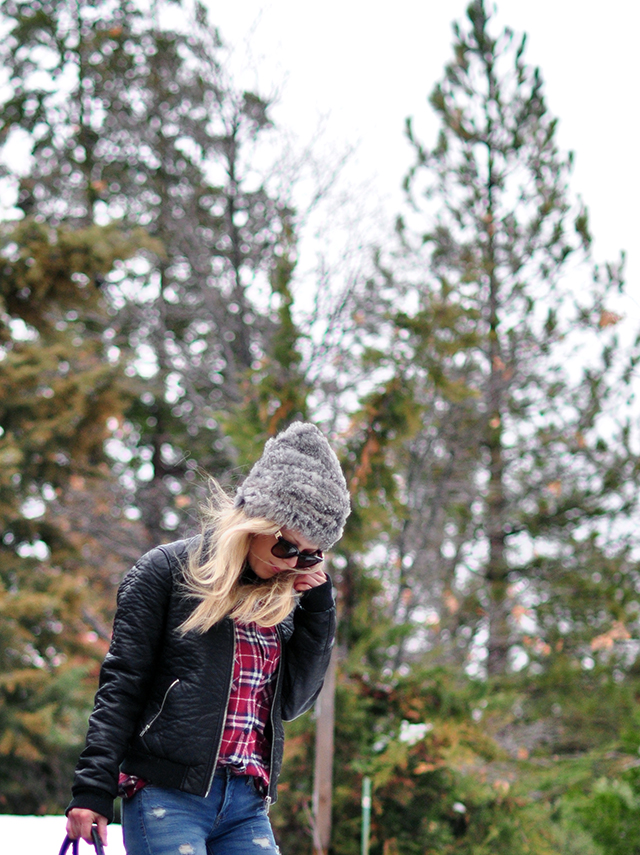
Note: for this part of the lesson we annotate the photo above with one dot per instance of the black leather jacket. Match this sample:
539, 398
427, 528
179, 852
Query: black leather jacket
161, 704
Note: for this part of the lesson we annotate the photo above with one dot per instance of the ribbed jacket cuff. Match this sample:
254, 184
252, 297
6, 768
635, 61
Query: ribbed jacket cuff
318, 599
93, 799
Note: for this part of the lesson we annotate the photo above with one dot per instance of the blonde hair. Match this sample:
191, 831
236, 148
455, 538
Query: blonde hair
214, 569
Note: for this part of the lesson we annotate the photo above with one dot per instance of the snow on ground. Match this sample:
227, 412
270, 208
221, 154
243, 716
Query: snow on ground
43, 835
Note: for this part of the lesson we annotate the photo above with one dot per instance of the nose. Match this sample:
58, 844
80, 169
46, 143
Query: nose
290, 562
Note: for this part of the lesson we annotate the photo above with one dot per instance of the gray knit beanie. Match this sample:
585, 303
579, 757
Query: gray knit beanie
298, 484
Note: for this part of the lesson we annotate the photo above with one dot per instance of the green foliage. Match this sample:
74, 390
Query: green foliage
130, 116
492, 503
150, 339
461, 766
611, 814
608, 809
57, 392
495, 365
291, 817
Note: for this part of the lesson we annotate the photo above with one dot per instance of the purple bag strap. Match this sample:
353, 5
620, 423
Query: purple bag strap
95, 837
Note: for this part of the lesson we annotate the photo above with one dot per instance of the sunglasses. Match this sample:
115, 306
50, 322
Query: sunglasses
285, 549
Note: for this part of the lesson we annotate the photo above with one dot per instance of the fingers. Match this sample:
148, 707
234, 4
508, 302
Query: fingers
102, 823
79, 822
310, 580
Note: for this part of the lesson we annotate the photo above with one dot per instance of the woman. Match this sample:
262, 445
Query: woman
216, 641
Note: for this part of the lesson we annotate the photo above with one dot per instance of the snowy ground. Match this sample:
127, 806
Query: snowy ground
43, 835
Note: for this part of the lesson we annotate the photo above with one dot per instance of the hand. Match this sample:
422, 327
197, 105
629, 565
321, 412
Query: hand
79, 822
306, 581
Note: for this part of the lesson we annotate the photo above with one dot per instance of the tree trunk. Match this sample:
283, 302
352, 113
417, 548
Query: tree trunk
323, 773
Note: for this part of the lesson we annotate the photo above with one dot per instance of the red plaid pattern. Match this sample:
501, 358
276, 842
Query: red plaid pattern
128, 785
244, 744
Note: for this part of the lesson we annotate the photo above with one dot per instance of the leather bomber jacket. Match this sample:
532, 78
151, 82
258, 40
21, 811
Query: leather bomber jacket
161, 703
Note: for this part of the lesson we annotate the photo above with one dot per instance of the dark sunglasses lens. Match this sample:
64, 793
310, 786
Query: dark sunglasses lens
284, 549
308, 560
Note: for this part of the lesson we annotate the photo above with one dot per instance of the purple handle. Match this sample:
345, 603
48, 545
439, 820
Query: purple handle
95, 837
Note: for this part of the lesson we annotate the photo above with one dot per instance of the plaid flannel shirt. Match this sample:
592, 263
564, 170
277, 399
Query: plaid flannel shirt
245, 746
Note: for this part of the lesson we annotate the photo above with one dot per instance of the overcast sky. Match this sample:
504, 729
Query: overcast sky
366, 65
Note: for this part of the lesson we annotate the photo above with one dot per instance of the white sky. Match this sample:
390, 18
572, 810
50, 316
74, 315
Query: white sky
365, 65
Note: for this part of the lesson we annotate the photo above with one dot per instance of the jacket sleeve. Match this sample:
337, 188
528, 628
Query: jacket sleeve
308, 650
125, 678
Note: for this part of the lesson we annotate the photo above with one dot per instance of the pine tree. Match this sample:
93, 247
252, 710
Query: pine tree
137, 121
520, 486
494, 469
58, 389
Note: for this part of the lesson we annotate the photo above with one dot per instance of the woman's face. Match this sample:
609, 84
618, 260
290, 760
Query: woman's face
264, 564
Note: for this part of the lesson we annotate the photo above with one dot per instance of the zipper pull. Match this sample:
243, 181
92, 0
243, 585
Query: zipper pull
164, 700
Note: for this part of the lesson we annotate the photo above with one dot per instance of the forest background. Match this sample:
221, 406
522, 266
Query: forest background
473, 370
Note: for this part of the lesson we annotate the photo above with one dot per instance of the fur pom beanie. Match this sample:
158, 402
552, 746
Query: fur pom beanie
298, 484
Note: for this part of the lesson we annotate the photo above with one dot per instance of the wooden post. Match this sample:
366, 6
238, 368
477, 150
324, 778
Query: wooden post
323, 772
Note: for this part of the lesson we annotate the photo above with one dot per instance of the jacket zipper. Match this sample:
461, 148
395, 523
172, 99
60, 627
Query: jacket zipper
267, 800
226, 709
151, 721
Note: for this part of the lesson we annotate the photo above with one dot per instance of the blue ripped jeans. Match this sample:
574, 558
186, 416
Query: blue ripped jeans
232, 820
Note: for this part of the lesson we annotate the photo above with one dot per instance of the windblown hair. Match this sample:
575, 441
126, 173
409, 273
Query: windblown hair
213, 574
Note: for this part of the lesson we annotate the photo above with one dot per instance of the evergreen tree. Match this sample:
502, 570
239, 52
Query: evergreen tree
59, 387
130, 116
520, 487
494, 480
